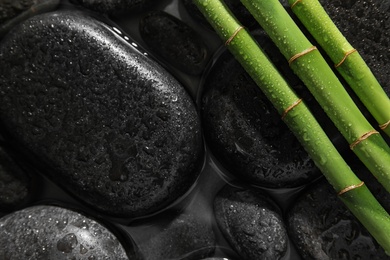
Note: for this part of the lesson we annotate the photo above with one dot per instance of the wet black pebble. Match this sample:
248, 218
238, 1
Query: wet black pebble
323, 228
49, 232
251, 223
115, 6
244, 130
366, 25
13, 12
15, 183
111, 126
174, 41
185, 237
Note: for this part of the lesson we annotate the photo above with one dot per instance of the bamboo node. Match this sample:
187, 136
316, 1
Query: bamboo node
298, 55
385, 125
296, 103
349, 188
234, 35
362, 138
295, 3
345, 57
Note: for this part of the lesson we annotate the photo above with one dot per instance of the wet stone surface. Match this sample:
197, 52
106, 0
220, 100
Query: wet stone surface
114, 128
115, 6
323, 228
251, 223
48, 232
186, 237
15, 183
245, 132
174, 41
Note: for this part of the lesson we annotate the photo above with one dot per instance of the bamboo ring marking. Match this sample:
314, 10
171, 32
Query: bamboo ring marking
298, 55
296, 103
345, 57
296, 2
352, 187
385, 125
234, 35
363, 137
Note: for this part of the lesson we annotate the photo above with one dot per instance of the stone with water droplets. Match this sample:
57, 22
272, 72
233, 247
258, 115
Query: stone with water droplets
174, 41
50, 232
323, 228
115, 6
109, 125
251, 223
244, 130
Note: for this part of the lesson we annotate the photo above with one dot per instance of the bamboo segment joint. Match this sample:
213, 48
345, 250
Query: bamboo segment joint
385, 125
295, 3
234, 35
345, 57
296, 103
349, 188
298, 55
362, 138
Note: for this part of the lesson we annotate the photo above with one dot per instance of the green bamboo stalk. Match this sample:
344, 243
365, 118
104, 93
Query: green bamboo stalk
353, 69
314, 71
299, 119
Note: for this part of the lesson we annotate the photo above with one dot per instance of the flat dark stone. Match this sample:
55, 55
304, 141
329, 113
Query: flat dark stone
186, 237
13, 12
244, 130
174, 41
115, 6
48, 232
110, 125
321, 226
251, 223
15, 183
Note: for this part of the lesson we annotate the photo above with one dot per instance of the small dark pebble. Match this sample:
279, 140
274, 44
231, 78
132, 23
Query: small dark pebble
185, 237
49, 232
15, 183
244, 130
174, 41
322, 227
251, 223
110, 125
115, 7
13, 12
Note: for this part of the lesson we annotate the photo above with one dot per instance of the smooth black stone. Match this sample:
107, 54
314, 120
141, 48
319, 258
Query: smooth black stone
322, 227
366, 25
15, 183
244, 130
115, 7
49, 232
110, 125
13, 12
174, 41
185, 237
251, 223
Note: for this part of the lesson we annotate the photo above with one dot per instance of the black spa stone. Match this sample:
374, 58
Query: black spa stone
251, 223
322, 227
13, 12
113, 7
174, 41
106, 123
15, 183
185, 237
49, 232
244, 130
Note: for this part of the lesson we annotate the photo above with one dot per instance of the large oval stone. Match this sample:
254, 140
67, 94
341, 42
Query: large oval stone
114, 6
49, 232
111, 125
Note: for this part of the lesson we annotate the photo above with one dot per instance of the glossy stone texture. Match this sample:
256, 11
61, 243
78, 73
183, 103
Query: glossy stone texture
244, 130
15, 183
322, 227
186, 237
251, 223
48, 232
174, 41
13, 12
115, 6
110, 125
